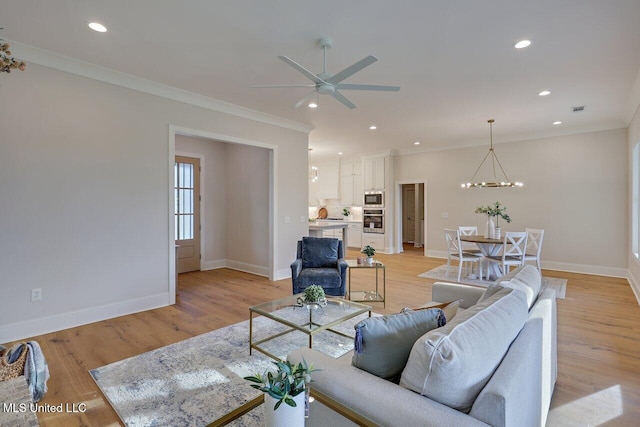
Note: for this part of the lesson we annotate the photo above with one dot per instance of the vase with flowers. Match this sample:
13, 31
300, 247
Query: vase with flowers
497, 210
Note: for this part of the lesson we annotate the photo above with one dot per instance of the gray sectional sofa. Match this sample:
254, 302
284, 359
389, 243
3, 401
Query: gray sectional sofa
470, 372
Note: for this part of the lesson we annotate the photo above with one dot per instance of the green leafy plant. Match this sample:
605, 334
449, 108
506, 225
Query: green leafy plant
288, 381
314, 293
368, 251
496, 210
346, 212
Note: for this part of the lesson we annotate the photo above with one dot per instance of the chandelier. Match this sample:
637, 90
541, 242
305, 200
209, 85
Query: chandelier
503, 183
7, 63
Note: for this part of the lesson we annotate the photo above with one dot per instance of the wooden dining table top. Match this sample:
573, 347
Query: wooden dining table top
480, 239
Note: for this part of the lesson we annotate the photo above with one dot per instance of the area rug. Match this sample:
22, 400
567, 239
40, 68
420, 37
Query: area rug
196, 381
440, 273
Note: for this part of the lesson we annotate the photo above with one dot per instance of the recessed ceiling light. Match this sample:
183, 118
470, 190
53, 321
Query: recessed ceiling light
339, 153
96, 26
416, 143
522, 44
313, 105
557, 122
545, 93
373, 127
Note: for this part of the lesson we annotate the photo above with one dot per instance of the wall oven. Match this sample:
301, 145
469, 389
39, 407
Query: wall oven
373, 221
373, 199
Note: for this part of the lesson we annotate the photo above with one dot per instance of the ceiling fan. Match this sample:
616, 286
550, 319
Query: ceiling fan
327, 84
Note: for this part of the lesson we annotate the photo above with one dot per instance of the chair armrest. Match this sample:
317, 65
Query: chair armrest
447, 292
296, 268
342, 268
342, 265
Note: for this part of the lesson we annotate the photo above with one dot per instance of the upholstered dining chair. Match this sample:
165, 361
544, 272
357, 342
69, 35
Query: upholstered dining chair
513, 249
534, 246
454, 251
320, 261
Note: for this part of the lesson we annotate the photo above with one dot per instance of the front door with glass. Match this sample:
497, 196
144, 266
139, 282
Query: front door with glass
187, 213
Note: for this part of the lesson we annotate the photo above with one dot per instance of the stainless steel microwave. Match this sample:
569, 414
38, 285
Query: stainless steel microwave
373, 199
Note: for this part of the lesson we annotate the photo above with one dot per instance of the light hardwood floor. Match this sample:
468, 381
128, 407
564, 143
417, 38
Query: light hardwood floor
598, 335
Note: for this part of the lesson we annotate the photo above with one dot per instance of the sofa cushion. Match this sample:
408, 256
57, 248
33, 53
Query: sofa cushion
527, 279
319, 252
452, 364
450, 309
383, 343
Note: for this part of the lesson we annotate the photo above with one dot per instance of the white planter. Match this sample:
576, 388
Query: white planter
285, 416
497, 234
369, 260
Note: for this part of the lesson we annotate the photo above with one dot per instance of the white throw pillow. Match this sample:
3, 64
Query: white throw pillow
452, 364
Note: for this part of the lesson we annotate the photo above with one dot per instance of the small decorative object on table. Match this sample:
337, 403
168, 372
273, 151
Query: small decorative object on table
287, 384
497, 210
314, 297
369, 252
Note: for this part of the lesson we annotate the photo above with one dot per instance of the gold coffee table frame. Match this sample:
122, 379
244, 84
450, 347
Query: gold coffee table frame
336, 311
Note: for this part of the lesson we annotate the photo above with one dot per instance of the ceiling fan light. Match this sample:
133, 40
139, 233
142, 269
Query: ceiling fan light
522, 44
313, 105
96, 26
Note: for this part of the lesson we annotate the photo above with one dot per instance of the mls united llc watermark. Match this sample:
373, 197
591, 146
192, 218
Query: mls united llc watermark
35, 407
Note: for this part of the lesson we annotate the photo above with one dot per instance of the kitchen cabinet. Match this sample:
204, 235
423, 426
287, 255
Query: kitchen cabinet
376, 241
328, 177
351, 183
354, 235
373, 173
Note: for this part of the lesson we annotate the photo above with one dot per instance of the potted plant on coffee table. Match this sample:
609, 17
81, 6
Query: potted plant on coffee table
369, 252
288, 385
313, 297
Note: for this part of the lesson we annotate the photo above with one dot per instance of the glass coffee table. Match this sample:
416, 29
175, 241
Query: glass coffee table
310, 319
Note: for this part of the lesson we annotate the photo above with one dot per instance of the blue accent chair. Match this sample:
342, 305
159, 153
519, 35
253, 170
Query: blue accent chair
320, 261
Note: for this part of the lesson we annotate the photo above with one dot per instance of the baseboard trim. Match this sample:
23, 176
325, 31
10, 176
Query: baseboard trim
563, 266
247, 268
45, 325
634, 286
213, 265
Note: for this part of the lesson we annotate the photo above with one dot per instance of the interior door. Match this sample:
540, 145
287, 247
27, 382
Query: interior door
187, 213
408, 213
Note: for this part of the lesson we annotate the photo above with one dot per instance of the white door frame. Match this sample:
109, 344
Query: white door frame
398, 213
273, 170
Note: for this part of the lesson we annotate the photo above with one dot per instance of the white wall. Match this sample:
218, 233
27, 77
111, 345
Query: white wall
575, 189
84, 178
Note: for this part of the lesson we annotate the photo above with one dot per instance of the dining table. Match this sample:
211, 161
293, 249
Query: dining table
488, 247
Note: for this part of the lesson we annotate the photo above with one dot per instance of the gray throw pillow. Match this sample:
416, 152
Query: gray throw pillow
383, 344
319, 252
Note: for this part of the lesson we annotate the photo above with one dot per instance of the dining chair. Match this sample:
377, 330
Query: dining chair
454, 251
514, 246
467, 247
534, 246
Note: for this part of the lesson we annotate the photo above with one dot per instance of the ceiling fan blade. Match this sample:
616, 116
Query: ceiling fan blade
303, 70
283, 86
348, 86
337, 78
303, 100
340, 97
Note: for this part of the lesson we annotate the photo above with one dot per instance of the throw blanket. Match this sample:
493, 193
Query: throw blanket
36, 370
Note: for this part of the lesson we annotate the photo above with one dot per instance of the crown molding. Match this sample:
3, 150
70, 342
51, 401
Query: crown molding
70, 65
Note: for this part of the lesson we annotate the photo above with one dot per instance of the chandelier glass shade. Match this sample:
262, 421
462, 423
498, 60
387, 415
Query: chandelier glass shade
505, 182
7, 63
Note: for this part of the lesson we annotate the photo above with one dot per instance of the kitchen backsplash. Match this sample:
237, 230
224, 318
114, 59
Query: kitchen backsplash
336, 212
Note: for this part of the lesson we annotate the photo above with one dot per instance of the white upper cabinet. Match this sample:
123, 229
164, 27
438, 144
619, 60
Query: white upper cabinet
351, 183
373, 173
328, 177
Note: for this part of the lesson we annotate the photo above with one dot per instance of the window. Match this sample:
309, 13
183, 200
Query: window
184, 198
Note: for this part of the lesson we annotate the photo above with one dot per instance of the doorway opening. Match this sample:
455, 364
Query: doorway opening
411, 214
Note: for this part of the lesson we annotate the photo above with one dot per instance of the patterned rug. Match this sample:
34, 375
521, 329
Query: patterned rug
196, 381
440, 273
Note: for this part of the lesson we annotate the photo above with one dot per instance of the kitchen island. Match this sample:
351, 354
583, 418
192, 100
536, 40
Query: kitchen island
316, 229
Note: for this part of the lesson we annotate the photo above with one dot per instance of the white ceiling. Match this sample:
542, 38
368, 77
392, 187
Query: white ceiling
454, 61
